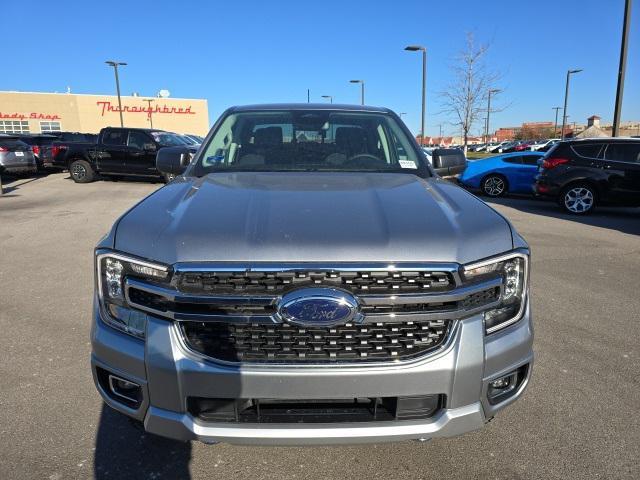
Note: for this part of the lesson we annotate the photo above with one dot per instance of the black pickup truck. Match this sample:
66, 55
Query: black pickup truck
118, 151
53, 155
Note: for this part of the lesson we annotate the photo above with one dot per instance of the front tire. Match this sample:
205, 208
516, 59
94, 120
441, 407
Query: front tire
81, 171
578, 199
494, 186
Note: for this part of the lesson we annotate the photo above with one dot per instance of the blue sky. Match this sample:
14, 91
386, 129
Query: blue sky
270, 51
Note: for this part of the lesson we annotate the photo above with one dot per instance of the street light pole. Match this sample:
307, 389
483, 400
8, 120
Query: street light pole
622, 68
361, 82
555, 125
330, 97
566, 98
420, 48
149, 100
493, 90
115, 65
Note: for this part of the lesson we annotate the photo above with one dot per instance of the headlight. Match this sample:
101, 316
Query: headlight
111, 271
514, 270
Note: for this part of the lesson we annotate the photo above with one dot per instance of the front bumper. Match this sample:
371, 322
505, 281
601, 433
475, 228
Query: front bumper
544, 187
168, 374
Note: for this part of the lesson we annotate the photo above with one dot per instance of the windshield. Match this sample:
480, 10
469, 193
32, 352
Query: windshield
302, 140
168, 139
187, 140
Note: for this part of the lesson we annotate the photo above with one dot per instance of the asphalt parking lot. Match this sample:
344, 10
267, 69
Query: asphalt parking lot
579, 418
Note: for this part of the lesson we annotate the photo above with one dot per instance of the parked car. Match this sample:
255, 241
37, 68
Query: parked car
512, 147
549, 145
285, 290
188, 140
38, 144
497, 148
197, 138
16, 156
502, 174
539, 145
522, 146
479, 147
55, 154
120, 151
581, 174
491, 146
428, 151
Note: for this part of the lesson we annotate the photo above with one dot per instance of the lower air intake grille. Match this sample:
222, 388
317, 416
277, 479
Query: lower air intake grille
285, 343
255, 410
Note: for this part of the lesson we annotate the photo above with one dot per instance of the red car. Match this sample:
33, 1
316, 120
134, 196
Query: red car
523, 146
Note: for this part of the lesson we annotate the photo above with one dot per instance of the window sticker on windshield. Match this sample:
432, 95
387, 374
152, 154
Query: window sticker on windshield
407, 164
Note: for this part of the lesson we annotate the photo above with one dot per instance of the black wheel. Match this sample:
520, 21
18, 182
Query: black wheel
81, 171
494, 185
169, 177
578, 199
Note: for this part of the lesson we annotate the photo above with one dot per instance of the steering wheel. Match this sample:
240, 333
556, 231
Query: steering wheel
359, 160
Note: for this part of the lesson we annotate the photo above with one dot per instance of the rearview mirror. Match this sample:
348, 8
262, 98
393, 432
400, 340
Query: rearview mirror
149, 147
173, 160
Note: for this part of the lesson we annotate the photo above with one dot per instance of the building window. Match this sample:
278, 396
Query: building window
14, 126
49, 127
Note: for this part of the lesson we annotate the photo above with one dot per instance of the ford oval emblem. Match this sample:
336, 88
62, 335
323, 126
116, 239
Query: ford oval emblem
318, 306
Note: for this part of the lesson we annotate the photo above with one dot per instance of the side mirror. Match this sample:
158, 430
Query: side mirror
149, 147
173, 160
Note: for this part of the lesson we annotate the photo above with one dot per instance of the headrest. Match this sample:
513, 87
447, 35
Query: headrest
268, 136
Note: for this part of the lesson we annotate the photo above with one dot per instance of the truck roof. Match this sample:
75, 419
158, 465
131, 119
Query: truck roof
308, 106
135, 128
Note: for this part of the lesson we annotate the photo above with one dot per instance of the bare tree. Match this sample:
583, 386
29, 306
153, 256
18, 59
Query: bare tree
465, 97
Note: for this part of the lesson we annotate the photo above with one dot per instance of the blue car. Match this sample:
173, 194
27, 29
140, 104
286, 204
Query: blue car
508, 173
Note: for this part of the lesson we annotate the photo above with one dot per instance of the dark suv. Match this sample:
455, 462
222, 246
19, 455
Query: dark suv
581, 174
39, 143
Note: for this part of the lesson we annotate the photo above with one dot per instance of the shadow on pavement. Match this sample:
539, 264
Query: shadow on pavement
10, 184
124, 450
625, 220
123, 178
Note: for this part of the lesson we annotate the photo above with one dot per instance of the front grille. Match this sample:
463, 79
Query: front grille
358, 282
285, 343
232, 315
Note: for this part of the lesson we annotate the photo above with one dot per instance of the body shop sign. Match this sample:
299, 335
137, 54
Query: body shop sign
107, 107
28, 116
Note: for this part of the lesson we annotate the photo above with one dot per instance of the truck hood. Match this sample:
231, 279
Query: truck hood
312, 217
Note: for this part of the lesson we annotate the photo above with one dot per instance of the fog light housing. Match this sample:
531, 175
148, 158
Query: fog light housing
504, 387
126, 390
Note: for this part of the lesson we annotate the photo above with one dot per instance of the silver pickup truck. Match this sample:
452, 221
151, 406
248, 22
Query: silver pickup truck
308, 279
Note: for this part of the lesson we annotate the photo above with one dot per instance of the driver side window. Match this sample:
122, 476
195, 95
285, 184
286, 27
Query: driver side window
138, 140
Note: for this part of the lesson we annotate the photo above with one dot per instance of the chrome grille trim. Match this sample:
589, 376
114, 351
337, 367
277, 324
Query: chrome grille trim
172, 295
